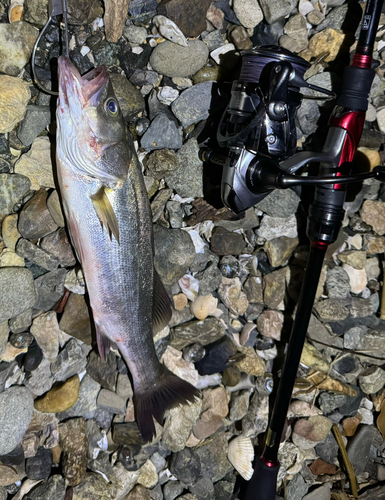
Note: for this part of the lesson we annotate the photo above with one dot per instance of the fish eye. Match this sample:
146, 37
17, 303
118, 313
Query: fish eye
111, 106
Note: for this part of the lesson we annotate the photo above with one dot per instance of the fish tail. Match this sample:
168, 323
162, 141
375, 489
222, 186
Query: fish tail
168, 392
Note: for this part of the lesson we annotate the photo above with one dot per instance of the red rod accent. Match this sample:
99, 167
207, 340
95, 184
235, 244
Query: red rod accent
269, 463
362, 60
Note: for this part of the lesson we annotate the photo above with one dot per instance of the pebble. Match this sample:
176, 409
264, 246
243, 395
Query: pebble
275, 227
34, 254
148, 475
8, 258
70, 361
337, 283
331, 310
45, 330
12, 189
54, 207
21, 292
319, 493
36, 119
193, 104
9, 231
251, 363
213, 458
308, 433
58, 245
86, 404
16, 406
372, 380
357, 278
73, 441
231, 294
60, 398
39, 466
373, 213
190, 17
40, 379
361, 448
110, 401
51, 489
75, 320
172, 60
161, 163
279, 250
162, 133
17, 41
36, 164
270, 324
14, 97
216, 356
248, 12
49, 288
178, 425
185, 465
187, 180
274, 285
113, 19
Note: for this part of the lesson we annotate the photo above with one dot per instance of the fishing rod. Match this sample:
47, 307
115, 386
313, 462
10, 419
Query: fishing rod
258, 129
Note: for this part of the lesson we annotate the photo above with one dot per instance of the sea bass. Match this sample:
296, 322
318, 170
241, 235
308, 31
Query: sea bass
110, 224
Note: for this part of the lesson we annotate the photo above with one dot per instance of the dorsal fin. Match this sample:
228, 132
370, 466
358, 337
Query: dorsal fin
105, 212
162, 305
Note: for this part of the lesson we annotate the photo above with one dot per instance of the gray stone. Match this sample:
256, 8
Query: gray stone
16, 406
111, 401
171, 60
50, 288
12, 189
187, 180
308, 115
57, 244
21, 293
4, 494
135, 34
331, 310
276, 9
86, 404
213, 39
142, 77
203, 489
319, 493
103, 372
172, 489
33, 253
4, 334
296, 488
175, 214
223, 490
213, 457
239, 405
174, 253
35, 220
372, 380
318, 331
274, 287
275, 227
360, 307
328, 449
40, 380
256, 420
209, 279
16, 42
161, 163
36, 119
94, 487
35, 12
329, 402
337, 283
335, 18
51, 489
362, 447
186, 466
70, 361
159, 202
162, 133
205, 332
193, 104
21, 322
39, 466
295, 38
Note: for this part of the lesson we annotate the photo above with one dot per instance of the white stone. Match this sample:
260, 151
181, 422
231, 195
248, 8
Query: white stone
248, 12
275, 227
371, 113
381, 119
357, 278
220, 51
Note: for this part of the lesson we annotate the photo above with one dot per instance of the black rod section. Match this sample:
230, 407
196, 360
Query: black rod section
369, 27
294, 351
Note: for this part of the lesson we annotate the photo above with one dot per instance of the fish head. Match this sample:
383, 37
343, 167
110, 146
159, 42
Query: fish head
92, 134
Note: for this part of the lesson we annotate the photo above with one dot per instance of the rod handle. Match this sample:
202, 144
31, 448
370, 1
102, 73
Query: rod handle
263, 484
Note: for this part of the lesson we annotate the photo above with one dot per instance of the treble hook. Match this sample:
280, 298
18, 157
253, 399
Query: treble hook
55, 8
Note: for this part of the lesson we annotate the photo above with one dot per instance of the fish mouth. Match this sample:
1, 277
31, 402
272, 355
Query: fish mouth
73, 86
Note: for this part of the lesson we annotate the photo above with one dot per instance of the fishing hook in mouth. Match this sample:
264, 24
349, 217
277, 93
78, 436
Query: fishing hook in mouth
55, 8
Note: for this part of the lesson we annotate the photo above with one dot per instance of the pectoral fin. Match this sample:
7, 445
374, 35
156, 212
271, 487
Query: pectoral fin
105, 212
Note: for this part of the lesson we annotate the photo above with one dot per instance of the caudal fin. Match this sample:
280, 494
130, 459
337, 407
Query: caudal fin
168, 391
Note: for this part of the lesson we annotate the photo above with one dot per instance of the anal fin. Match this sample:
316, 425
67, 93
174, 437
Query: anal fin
105, 212
104, 344
162, 305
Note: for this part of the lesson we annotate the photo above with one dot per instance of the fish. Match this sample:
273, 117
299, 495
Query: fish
109, 220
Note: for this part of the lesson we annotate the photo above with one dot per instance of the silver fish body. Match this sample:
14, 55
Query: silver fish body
101, 180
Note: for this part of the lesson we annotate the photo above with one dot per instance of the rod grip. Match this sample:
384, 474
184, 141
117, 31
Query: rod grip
263, 484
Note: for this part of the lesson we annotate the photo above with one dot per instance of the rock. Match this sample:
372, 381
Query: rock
308, 116
9, 231
131, 101
8, 258
331, 310
60, 397
203, 489
21, 293
209, 73
148, 475
223, 490
295, 38
336, 41
51, 489
103, 372
172, 489
162, 133
39, 466
187, 180
275, 227
73, 441
114, 20
54, 207
4, 333
205, 332
111, 401
35, 254
86, 405
185, 465
193, 104
335, 17
213, 458
35, 12
248, 12
45, 329
174, 253
9, 475
189, 17
279, 250
330, 402
307, 433
12, 189
16, 406
213, 39
135, 34
83, 13
172, 60
36, 164
337, 283
94, 487
238, 35
178, 425
296, 488
161, 163
232, 296
58, 245
49, 288
239, 405
274, 288
36, 119
320, 493
361, 448
274, 10
70, 361
374, 244
14, 96
139, 493
224, 242
251, 363
373, 213
216, 356
372, 380
75, 320
357, 278
16, 41
40, 380
270, 324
